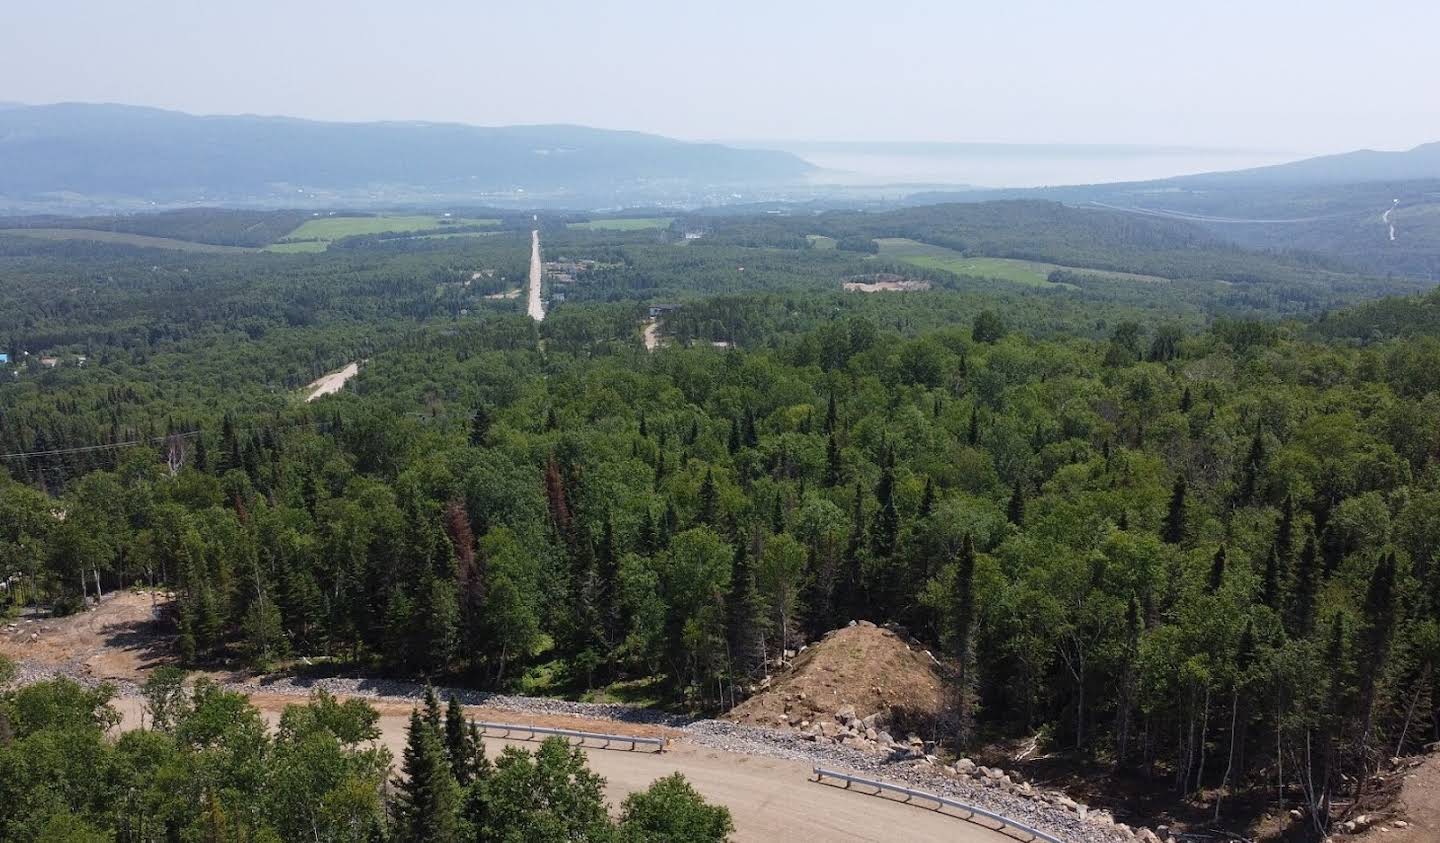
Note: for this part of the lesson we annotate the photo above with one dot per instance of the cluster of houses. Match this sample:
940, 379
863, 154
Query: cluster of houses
47, 362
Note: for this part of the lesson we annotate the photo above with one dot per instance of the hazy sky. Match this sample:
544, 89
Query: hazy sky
1312, 75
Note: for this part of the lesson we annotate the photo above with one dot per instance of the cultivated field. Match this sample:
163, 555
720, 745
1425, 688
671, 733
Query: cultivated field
316, 235
626, 224
142, 240
1033, 273
820, 241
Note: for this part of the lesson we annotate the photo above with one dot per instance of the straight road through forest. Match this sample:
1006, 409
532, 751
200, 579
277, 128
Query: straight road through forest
537, 271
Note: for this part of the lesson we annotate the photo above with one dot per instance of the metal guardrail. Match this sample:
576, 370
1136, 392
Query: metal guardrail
910, 793
508, 728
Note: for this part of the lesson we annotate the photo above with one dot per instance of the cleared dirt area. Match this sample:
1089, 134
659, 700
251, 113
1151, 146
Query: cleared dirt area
886, 286
121, 640
331, 383
652, 334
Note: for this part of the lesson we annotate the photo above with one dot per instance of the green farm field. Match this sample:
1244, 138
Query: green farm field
625, 224
316, 235
820, 241
1033, 273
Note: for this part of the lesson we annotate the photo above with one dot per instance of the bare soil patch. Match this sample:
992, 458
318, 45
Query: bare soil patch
123, 638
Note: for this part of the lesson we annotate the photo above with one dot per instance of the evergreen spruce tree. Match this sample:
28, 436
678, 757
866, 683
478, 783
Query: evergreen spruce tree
849, 600
744, 618
752, 435
709, 513
1217, 570
1249, 486
608, 571
834, 467
886, 529
974, 434
458, 745
1301, 609
427, 797
927, 498
432, 709
1015, 511
962, 646
1185, 401
1173, 529
1270, 589
733, 443
830, 416
1376, 632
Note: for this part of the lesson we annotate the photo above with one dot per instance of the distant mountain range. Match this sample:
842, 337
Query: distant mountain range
1365, 165
126, 153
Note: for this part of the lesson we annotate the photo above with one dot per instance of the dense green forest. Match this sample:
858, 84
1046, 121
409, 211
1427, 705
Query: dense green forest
207, 767
1177, 535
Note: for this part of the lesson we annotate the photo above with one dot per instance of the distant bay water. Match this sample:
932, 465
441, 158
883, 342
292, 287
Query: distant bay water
1013, 165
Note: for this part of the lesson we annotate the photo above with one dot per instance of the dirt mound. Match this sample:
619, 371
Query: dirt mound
872, 669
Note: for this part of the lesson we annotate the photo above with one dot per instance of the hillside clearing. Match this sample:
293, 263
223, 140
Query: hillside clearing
141, 240
623, 224
331, 383
1032, 273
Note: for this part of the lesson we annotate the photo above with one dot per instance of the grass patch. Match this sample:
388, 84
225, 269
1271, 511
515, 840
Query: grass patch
820, 241
1031, 273
316, 235
623, 224
142, 240
295, 248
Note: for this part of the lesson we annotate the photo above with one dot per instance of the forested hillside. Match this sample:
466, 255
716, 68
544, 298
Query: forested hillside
1190, 546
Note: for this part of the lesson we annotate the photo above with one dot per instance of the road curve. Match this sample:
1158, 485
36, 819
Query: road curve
537, 272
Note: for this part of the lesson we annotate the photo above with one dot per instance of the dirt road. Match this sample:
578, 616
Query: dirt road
1385, 217
537, 272
770, 799
331, 383
652, 334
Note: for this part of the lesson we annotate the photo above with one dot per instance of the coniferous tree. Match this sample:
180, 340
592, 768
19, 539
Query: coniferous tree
1301, 613
480, 426
974, 433
834, 468
427, 797
752, 435
459, 746
709, 512
732, 445
1173, 529
607, 560
1185, 401
1217, 570
1249, 486
1378, 626
1015, 510
927, 498
1270, 588
886, 529
432, 709
830, 416
744, 618
962, 645
850, 589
